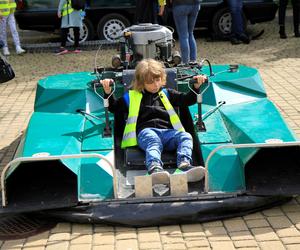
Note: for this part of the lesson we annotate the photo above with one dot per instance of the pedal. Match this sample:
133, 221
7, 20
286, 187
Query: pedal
178, 185
143, 186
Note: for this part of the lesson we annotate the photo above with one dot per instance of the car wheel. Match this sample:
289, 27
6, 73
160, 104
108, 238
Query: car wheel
111, 25
86, 32
221, 23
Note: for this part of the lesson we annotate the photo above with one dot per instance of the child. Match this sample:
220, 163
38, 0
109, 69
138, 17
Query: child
7, 17
70, 18
152, 123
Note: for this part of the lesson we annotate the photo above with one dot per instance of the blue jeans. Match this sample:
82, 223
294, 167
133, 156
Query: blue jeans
154, 140
236, 9
185, 17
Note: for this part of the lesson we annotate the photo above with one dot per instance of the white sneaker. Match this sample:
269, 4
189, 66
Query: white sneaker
6, 51
19, 50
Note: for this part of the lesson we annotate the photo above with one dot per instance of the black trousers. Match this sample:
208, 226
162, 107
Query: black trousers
64, 35
282, 10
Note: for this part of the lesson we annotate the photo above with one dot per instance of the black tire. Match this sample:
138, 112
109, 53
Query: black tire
110, 26
221, 23
86, 32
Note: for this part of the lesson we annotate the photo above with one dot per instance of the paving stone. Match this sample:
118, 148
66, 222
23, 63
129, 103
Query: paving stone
213, 231
202, 242
59, 237
148, 236
254, 216
104, 247
37, 240
81, 239
82, 228
235, 225
264, 234
100, 229
57, 245
61, 228
80, 247
103, 238
150, 245
279, 222
174, 229
224, 245
293, 247
290, 240
192, 230
127, 245
126, 235
166, 239
245, 243
257, 223
285, 232
243, 235
13, 244
177, 246
34, 248
274, 245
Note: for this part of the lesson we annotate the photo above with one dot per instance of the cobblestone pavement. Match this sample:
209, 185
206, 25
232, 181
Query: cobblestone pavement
277, 228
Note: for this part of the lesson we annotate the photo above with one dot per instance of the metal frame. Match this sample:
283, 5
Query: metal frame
54, 157
246, 145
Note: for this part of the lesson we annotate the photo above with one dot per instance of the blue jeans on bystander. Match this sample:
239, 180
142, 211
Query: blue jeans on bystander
236, 9
154, 140
185, 17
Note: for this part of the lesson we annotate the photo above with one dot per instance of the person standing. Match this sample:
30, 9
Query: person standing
148, 11
185, 14
70, 18
238, 34
281, 17
7, 9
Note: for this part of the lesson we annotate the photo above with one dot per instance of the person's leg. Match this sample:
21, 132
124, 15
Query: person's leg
64, 35
76, 31
236, 9
183, 142
150, 142
15, 34
181, 22
192, 18
281, 18
296, 9
3, 35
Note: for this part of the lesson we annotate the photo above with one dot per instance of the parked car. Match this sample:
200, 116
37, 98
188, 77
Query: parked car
105, 19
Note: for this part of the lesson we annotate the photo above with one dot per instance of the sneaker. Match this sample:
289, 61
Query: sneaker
235, 41
159, 175
6, 51
61, 51
19, 50
193, 173
244, 38
77, 50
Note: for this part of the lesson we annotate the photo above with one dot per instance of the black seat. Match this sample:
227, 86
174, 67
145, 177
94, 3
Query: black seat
134, 156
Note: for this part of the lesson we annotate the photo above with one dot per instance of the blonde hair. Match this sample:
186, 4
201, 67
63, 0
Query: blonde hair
146, 71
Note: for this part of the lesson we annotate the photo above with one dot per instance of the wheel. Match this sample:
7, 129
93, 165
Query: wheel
86, 32
111, 25
221, 23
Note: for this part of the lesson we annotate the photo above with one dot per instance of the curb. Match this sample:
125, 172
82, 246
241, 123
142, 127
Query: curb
51, 47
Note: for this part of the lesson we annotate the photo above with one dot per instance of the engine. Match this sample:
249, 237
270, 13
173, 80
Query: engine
146, 40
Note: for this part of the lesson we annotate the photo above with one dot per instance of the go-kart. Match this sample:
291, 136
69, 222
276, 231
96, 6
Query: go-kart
70, 164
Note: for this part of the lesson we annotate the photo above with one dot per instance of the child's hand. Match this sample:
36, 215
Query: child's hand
58, 14
161, 10
106, 85
200, 80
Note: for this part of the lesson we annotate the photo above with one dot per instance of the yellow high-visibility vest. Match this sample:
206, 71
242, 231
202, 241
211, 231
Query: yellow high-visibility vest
4, 7
135, 97
67, 9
